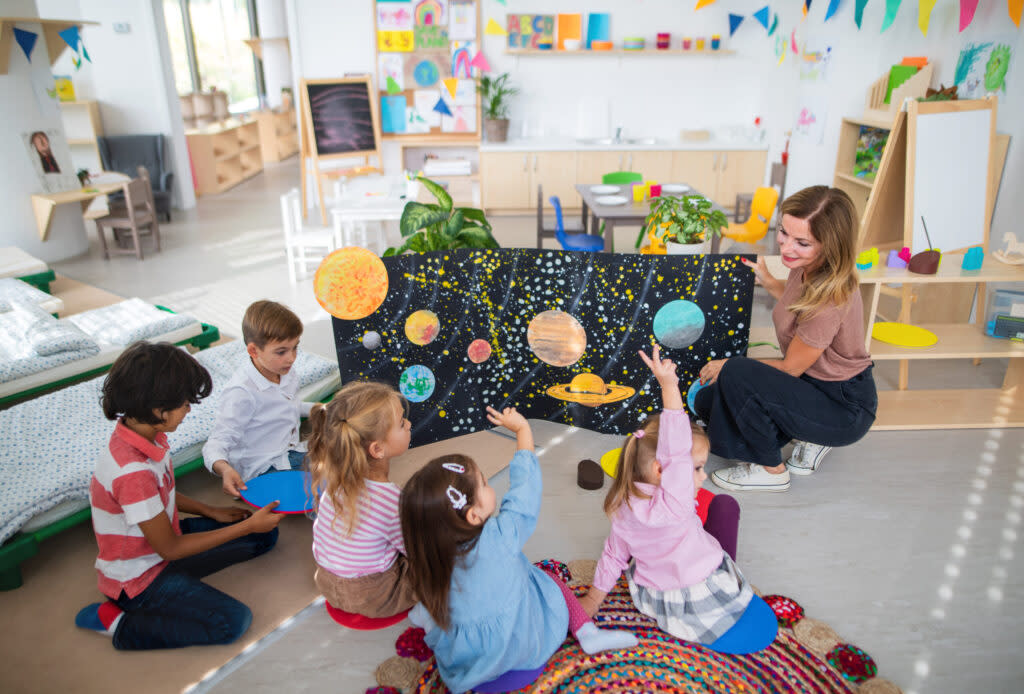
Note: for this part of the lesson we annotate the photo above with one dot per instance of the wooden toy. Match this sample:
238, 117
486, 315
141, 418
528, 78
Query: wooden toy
867, 259
1013, 254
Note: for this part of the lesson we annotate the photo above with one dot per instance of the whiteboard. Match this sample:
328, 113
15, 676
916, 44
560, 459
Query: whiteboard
951, 178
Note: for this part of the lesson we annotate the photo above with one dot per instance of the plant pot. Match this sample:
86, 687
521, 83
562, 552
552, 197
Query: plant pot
496, 130
674, 248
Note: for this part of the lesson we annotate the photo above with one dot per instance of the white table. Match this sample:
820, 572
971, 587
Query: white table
361, 206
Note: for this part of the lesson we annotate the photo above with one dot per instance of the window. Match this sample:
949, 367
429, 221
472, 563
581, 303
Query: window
208, 49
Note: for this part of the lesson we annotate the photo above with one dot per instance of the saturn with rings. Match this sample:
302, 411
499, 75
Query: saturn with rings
590, 389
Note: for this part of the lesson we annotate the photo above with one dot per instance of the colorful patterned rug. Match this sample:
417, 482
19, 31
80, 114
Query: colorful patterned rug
807, 656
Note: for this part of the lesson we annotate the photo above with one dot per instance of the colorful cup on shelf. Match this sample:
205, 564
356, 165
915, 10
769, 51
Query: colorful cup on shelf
633, 43
687, 43
700, 43
647, 187
716, 42
664, 41
655, 190
639, 189
601, 45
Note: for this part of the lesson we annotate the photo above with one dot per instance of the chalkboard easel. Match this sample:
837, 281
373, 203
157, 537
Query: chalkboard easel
339, 121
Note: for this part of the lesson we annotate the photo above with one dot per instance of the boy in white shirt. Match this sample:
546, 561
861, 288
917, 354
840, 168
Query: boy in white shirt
257, 427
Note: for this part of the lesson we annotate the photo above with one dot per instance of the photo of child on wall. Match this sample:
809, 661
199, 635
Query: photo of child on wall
50, 157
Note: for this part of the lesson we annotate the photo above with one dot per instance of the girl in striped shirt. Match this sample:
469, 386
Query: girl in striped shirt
357, 535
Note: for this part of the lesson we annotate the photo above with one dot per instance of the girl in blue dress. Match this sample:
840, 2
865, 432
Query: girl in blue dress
484, 607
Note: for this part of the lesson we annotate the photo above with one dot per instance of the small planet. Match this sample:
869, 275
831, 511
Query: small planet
678, 324
556, 338
422, 327
478, 351
426, 73
416, 383
371, 340
590, 389
351, 283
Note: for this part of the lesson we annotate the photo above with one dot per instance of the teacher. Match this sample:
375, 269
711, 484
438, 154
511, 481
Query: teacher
821, 393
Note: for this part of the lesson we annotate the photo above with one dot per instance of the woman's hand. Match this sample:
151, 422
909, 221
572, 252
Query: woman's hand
228, 514
760, 268
709, 373
663, 369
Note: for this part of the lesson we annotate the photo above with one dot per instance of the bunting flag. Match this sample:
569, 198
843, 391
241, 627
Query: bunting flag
1014, 8
891, 8
762, 16
806, 7
71, 38
705, 3
27, 41
967, 8
392, 86
734, 22
775, 25
792, 43
494, 29
924, 14
780, 44
858, 12
480, 62
442, 108
833, 5
451, 84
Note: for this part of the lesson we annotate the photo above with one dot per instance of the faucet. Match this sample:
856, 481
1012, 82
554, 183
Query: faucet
618, 135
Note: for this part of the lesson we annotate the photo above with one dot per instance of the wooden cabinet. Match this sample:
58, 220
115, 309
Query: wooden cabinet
738, 172
556, 172
279, 137
696, 169
655, 166
590, 166
82, 126
509, 180
224, 155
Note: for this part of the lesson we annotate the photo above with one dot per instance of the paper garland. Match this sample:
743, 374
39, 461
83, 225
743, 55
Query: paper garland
734, 22
27, 41
762, 16
442, 108
480, 62
775, 25
924, 14
891, 8
833, 5
703, 3
1014, 8
494, 29
967, 8
858, 12
806, 7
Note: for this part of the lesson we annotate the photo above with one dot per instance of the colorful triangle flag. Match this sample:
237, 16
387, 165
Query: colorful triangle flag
792, 43
70, 36
392, 86
85, 53
1014, 8
833, 5
494, 29
703, 3
442, 108
734, 22
775, 25
924, 14
807, 6
858, 12
452, 84
891, 8
480, 62
762, 16
27, 41
967, 8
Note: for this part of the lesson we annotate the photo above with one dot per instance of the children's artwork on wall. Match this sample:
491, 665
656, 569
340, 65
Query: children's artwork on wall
50, 158
553, 333
461, 120
465, 93
414, 122
462, 59
810, 120
399, 41
430, 37
814, 63
392, 114
391, 66
394, 16
423, 103
431, 13
530, 30
426, 69
983, 68
462, 20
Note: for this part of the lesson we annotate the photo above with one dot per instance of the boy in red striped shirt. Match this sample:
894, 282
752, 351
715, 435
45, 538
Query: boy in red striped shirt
150, 561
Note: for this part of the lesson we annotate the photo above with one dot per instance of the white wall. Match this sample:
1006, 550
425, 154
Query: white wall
130, 76
277, 71
660, 95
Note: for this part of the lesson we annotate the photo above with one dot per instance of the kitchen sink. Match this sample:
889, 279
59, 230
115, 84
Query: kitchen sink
613, 141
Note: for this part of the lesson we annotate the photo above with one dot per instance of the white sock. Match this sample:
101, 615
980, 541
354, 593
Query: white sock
594, 640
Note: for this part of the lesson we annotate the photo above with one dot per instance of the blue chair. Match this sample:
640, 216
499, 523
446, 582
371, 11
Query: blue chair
573, 242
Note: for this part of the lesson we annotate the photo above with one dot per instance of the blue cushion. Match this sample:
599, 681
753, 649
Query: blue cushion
510, 681
754, 632
290, 487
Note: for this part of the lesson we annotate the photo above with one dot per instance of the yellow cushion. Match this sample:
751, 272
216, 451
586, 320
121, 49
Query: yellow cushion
903, 335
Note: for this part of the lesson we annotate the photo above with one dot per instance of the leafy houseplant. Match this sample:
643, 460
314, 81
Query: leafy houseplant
494, 94
440, 226
685, 220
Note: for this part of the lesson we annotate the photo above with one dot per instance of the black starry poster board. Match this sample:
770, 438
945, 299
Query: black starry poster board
459, 330
342, 117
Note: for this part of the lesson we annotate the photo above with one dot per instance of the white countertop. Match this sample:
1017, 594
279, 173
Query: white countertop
571, 144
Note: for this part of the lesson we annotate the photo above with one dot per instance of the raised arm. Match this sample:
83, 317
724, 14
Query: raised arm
521, 505
664, 371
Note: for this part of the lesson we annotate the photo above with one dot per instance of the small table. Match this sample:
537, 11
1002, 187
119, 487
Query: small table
362, 201
43, 204
629, 214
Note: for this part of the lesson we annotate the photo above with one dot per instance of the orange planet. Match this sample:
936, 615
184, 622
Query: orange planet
422, 327
590, 389
556, 338
351, 283
478, 351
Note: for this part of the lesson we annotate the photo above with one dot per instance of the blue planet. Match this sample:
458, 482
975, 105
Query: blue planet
426, 73
678, 324
416, 383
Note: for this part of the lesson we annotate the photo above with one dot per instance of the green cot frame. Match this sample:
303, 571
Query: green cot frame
40, 280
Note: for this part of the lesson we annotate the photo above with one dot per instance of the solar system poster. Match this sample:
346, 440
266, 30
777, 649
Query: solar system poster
553, 333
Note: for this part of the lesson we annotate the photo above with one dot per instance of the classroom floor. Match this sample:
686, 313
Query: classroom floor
906, 543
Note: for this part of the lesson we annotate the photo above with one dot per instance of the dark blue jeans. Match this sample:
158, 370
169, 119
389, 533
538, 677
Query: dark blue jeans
753, 410
177, 609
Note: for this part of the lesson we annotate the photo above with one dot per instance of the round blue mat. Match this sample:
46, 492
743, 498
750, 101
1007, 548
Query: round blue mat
290, 487
755, 631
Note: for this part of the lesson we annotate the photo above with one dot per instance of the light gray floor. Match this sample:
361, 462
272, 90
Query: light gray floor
905, 543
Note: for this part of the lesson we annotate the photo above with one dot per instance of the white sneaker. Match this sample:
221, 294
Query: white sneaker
748, 477
806, 457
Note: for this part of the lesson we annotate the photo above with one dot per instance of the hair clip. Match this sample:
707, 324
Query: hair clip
638, 434
457, 498
454, 467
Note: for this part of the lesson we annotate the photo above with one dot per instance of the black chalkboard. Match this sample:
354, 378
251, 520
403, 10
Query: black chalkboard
342, 117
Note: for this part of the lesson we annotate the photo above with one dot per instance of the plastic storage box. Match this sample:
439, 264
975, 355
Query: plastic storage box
1005, 317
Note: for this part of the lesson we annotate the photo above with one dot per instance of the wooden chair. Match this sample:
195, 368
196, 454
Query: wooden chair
138, 217
303, 247
546, 232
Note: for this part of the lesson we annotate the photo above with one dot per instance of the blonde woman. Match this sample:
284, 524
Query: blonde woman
821, 394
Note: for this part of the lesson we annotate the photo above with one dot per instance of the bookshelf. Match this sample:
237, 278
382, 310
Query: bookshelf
225, 154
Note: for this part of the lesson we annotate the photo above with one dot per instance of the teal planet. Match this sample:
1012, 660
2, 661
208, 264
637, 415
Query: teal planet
416, 383
678, 324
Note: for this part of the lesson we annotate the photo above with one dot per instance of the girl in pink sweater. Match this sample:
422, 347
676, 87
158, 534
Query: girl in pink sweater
679, 574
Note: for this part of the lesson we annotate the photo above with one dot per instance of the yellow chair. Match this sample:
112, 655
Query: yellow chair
762, 207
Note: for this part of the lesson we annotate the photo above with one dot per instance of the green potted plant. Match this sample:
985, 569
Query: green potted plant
683, 224
494, 94
440, 226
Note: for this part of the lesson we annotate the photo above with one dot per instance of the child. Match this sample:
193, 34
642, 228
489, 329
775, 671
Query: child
679, 575
150, 562
257, 427
487, 610
357, 537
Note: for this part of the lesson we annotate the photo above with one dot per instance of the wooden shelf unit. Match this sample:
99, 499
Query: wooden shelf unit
967, 408
224, 155
859, 189
279, 134
706, 53
82, 125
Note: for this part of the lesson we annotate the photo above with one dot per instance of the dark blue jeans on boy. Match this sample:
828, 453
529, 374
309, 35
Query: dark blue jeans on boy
754, 409
177, 609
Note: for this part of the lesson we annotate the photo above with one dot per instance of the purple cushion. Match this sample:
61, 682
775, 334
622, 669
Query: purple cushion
510, 681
